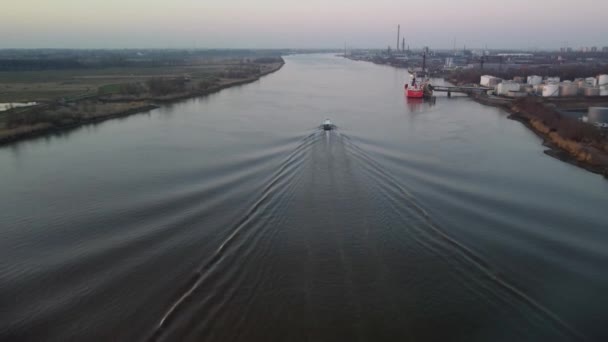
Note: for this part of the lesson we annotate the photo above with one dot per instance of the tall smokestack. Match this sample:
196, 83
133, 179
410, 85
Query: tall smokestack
398, 36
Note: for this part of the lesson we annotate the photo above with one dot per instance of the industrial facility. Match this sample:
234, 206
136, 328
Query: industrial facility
598, 116
441, 61
547, 86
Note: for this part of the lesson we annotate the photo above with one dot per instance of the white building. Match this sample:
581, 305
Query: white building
489, 81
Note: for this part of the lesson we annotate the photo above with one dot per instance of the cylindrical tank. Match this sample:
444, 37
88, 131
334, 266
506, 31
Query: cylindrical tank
485, 80
591, 81
489, 81
604, 91
552, 80
581, 87
597, 115
603, 80
591, 91
535, 80
504, 88
568, 89
551, 90
581, 83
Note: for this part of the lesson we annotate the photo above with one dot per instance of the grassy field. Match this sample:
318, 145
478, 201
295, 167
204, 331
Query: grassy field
68, 98
50, 85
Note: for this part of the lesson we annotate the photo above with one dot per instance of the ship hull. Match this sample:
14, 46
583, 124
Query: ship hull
414, 93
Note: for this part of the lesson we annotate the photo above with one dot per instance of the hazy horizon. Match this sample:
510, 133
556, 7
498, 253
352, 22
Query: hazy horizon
294, 24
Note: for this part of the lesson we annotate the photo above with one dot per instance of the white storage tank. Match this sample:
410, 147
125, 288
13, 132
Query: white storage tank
602, 80
551, 90
597, 115
591, 81
591, 91
535, 80
489, 81
604, 91
568, 89
485, 80
552, 80
504, 88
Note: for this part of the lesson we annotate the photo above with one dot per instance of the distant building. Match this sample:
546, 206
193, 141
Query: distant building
449, 62
493, 66
515, 55
400, 58
597, 115
594, 49
489, 81
456, 62
605, 49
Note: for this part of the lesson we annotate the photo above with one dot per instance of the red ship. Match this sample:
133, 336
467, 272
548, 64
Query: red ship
418, 90
414, 90
422, 89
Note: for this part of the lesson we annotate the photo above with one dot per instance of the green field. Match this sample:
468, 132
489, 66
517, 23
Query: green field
50, 85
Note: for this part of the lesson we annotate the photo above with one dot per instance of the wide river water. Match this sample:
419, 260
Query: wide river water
234, 218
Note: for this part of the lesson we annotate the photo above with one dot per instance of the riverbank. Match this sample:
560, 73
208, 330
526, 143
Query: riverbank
203, 87
23, 132
47, 118
568, 140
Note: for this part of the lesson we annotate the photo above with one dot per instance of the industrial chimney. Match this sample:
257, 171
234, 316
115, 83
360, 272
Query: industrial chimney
398, 37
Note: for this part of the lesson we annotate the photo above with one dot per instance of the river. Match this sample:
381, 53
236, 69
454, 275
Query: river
232, 217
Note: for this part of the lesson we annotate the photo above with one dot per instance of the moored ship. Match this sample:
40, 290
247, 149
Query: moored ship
414, 89
418, 89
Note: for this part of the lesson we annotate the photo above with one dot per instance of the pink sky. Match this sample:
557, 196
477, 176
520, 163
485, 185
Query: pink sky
302, 24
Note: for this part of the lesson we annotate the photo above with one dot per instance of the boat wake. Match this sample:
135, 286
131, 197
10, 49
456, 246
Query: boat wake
433, 237
330, 174
260, 214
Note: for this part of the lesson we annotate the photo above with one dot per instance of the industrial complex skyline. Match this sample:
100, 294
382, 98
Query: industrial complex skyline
518, 24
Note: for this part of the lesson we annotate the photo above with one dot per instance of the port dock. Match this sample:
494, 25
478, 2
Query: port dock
457, 89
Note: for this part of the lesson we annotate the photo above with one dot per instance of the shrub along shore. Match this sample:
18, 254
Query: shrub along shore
569, 139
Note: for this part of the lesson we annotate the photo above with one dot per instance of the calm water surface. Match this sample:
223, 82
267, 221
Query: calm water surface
234, 218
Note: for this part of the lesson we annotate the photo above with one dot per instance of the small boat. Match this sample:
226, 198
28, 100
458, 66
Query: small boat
327, 125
